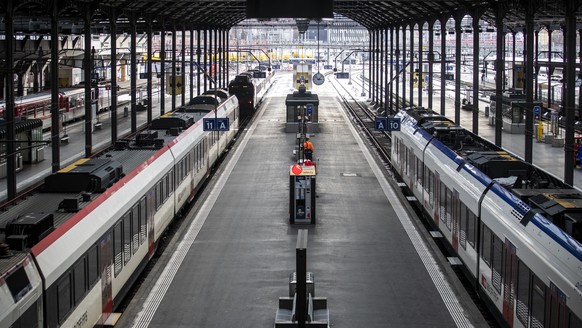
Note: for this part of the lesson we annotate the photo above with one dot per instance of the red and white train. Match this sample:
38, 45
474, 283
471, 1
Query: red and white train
71, 104
76, 247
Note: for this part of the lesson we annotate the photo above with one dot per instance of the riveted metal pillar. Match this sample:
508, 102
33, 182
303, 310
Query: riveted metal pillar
9, 97
397, 63
162, 94
205, 60
133, 72
392, 63
150, 73
113, 64
458, 69
55, 114
443, 62
420, 63
430, 61
173, 83
404, 64
499, 69
528, 85
412, 69
88, 64
183, 65
476, 16
570, 44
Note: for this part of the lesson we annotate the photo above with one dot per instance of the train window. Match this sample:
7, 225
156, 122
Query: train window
117, 247
497, 260
471, 230
428, 184
29, 319
448, 207
575, 321
463, 222
419, 170
523, 284
93, 265
51, 306
64, 297
167, 186
171, 181
127, 237
486, 245
159, 199
135, 226
79, 280
405, 161
443, 190
143, 220
18, 283
538, 303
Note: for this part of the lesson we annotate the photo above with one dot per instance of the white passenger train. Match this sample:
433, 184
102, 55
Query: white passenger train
77, 246
517, 230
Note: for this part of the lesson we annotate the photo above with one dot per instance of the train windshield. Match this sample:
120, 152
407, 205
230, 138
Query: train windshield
18, 283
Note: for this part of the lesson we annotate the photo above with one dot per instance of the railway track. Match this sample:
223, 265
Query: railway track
364, 116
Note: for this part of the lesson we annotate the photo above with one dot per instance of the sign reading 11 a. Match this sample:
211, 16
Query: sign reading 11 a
216, 124
387, 124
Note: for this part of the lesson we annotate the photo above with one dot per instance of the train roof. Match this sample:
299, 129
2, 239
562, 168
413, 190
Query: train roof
71, 189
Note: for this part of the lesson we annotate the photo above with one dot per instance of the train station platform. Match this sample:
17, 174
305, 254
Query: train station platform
230, 262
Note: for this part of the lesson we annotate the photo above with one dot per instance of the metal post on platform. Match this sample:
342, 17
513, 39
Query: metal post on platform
301, 269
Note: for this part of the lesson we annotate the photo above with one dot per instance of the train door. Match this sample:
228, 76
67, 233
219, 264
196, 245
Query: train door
106, 254
455, 211
151, 209
508, 278
556, 308
437, 197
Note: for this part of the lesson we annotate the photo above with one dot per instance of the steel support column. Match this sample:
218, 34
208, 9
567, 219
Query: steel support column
458, 69
404, 102
113, 64
499, 68
150, 100
55, 114
9, 98
420, 63
391, 89
173, 71
88, 66
430, 61
476, 16
203, 71
183, 64
528, 85
570, 44
133, 72
443, 62
162, 79
191, 62
411, 80
397, 63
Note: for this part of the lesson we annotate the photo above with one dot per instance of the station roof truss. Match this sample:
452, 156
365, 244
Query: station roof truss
33, 15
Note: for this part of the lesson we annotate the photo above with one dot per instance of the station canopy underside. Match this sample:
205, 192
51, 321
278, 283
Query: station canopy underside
34, 16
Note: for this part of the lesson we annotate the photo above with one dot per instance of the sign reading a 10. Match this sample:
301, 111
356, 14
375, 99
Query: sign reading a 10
387, 124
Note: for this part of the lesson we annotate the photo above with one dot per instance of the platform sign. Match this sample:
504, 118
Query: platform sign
537, 111
387, 124
222, 124
216, 124
309, 108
